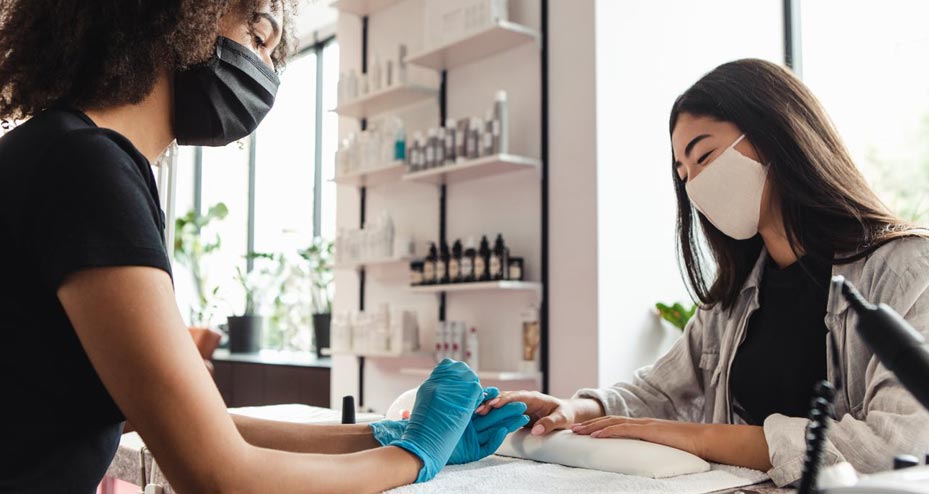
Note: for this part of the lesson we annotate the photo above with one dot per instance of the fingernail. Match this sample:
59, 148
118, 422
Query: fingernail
538, 430
576, 428
595, 434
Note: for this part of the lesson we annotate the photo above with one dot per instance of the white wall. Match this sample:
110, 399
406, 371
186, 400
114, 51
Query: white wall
647, 54
573, 335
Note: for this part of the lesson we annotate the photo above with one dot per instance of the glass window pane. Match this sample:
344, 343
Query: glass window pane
225, 180
874, 84
285, 161
184, 286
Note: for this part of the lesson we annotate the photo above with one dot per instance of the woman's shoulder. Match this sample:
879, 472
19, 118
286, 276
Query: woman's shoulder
904, 254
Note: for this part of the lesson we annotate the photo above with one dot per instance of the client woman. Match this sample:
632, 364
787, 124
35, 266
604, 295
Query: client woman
91, 331
781, 208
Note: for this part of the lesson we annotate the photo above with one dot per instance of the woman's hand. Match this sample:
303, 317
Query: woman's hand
739, 445
685, 436
547, 413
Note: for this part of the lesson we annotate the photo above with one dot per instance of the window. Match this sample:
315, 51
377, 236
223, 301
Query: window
866, 63
274, 187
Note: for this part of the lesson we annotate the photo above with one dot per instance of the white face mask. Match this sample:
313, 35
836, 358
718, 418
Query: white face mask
728, 192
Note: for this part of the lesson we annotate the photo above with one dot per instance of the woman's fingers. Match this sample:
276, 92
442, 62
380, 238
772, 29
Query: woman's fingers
549, 423
508, 397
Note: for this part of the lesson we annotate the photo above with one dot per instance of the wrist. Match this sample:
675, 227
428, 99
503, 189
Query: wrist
586, 409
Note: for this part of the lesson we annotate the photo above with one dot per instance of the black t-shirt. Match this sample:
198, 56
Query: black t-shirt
783, 354
72, 196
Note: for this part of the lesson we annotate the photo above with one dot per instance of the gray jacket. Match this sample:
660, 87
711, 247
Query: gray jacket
877, 418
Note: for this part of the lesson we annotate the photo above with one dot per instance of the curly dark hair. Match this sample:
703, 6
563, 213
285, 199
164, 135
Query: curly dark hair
96, 53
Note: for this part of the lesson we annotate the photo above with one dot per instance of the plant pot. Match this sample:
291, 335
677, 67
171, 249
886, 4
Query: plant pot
245, 333
321, 323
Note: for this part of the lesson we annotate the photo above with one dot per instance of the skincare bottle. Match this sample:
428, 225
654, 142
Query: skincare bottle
450, 132
429, 266
441, 273
487, 138
470, 349
416, 273
499, 260
430, 149
400, 143
481, 261
474, 138
502, 130
377, 74
517, 270
461, 139
440, 147
411, 154
467, 261
439, 353
532, 336
401, 64
454, 264
446, 340
456, 340
389, 73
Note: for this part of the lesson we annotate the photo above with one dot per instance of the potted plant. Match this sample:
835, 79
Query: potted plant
319, 256
676, 314
191, 248
245, 331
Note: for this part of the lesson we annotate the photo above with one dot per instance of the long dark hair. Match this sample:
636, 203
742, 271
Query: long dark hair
827, 206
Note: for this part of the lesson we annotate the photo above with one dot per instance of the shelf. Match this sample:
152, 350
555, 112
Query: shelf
496, 39
497, 164
373, 263
396, 96
417, 354
526, 286
373, 176
484, 375
362, 7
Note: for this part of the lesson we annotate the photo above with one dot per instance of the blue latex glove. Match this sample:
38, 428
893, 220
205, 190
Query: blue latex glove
481, 438
443, 410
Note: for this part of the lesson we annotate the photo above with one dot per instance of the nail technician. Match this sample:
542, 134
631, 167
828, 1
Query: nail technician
779, 208
92, 334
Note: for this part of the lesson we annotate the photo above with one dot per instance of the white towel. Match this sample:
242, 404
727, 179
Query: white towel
497, 474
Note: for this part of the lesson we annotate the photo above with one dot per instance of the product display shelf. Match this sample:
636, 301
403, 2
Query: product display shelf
373, 176
497, 164
500, 37
527, 286
416, 354
385, 100
483, 375
374, 263
362, 7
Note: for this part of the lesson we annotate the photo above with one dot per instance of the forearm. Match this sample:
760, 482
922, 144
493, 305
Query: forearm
305, 438
265, 470
739, 445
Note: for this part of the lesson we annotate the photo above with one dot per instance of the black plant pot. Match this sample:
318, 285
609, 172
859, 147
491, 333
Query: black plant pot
321, 324
245, 333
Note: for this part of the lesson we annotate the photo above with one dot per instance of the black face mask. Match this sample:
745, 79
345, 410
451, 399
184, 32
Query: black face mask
224, 99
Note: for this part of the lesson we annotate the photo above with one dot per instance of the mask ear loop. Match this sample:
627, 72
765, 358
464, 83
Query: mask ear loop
737, 141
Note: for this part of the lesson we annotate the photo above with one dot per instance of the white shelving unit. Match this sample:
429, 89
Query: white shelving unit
385, 100
374, 176
497, 164
373, 263
499, 38
362, 7
417, 354
525, 286
483, 375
